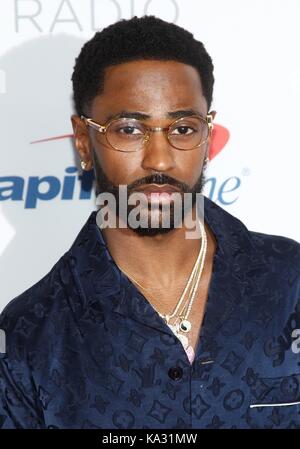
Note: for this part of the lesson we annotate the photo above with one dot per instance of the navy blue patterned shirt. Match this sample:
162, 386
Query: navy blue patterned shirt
85, 349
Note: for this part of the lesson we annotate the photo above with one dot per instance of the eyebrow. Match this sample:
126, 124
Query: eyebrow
142, 116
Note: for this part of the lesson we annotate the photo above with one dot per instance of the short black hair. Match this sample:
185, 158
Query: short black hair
146, 37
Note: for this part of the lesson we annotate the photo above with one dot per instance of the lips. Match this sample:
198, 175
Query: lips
154, 192
155, 188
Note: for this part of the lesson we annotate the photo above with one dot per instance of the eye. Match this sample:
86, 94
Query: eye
129, 130
183, 130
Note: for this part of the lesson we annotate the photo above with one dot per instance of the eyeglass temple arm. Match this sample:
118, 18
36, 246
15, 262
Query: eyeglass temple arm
89, 122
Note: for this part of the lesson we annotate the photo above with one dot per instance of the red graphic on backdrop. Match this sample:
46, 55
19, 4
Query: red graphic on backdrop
48, 139
220, 137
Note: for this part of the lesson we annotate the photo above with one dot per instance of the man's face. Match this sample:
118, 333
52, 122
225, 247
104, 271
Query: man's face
154, 88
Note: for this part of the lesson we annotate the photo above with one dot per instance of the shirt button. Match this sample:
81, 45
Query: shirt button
175, 373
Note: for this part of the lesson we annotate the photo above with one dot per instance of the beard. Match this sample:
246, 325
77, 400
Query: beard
103, 185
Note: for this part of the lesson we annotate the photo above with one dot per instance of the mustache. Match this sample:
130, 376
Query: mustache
159, 179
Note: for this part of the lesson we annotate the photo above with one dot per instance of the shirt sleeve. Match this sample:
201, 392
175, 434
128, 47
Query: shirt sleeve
19, 405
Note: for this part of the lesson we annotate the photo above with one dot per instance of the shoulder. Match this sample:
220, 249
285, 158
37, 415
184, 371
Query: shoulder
28, 314
274, 274
277, 249
271, 248
267, 265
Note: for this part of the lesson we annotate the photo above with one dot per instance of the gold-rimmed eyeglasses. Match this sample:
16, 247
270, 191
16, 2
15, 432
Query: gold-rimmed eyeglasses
129, 134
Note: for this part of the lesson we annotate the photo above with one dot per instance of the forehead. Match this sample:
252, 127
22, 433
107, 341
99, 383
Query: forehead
150, 86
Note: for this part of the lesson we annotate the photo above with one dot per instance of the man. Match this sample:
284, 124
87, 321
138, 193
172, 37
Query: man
142, 327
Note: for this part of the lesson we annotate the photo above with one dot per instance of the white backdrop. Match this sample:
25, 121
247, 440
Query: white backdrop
255, 48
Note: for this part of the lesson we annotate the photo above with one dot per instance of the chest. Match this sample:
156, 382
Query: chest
169, 300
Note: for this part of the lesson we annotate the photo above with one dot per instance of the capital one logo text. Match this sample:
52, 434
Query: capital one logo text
34, 189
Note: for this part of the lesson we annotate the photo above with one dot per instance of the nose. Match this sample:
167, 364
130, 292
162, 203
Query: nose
158, 154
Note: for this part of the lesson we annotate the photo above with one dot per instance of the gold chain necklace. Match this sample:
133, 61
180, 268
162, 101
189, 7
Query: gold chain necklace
182, 324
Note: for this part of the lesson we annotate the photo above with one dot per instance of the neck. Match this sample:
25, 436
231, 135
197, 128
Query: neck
157, 262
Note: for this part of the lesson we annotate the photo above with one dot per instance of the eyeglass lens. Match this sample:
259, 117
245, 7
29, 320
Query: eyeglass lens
130, 134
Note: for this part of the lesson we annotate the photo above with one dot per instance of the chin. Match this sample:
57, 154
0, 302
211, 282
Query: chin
157, 226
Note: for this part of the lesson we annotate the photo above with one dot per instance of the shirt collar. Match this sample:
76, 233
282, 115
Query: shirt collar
102, 286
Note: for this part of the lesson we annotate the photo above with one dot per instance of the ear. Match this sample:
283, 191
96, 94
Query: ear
213, 114
82, 141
